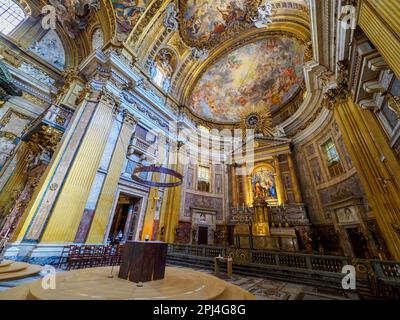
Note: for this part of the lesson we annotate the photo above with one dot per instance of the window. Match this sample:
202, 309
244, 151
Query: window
11, 15
159, 77
332, 158
203, 179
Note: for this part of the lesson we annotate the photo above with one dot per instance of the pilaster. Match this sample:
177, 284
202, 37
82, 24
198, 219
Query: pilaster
107, 196
375, 161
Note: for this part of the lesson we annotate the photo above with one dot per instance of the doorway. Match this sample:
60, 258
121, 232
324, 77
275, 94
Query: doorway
357, 243
203, 236
125, 220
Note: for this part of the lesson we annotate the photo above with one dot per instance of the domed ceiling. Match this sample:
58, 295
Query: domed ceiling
255, 77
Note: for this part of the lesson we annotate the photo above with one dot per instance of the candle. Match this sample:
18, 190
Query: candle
147, 237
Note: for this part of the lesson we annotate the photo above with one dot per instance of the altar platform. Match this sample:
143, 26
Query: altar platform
96, 284
12, 270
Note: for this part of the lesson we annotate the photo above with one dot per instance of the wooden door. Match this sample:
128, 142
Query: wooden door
203, 235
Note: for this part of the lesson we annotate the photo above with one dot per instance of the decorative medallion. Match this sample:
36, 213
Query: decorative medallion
261, 123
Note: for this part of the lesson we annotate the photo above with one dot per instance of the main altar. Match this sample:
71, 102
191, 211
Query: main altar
267, 210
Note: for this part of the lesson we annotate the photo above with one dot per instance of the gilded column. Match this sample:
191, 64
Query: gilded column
108, 191
71, 175
380, 22
294, 179
169, 217
278, 181
249, 191
151, 210
170, 207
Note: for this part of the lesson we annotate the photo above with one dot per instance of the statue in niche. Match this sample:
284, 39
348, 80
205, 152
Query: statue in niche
165, 61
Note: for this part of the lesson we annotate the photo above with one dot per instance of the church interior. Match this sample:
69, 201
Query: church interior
202, 150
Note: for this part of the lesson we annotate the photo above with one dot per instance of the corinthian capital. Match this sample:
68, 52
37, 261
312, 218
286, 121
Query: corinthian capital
129, 118
337, 93
335, 96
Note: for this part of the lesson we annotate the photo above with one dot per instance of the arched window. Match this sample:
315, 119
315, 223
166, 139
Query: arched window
11, 15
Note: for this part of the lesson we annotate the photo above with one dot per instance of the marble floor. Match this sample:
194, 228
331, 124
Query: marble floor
263, 289
267, 289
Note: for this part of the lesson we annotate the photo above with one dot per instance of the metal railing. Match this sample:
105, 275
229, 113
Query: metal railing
262, 257
383, 277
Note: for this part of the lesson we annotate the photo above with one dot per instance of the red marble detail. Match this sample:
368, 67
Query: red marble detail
182, 235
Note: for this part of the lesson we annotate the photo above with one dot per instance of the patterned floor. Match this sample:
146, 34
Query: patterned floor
266, 289
263, 289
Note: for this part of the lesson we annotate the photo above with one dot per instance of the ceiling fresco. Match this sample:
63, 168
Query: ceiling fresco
128, 13
205, 23
260, 75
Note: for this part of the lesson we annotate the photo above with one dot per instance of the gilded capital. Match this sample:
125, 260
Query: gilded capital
338, 93
335, 96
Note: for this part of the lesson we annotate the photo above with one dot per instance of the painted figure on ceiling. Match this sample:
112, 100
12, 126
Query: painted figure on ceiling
257, 76
128, 13
207, 19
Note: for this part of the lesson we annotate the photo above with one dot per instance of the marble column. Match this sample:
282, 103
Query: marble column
279, 182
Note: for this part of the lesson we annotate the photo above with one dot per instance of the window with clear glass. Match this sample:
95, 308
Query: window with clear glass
11, 15
203, 179
335, 167
159, 78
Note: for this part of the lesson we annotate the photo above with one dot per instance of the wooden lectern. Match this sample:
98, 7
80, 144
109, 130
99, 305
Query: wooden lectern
143, 261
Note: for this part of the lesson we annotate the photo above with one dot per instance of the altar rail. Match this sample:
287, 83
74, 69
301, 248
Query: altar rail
374, 277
